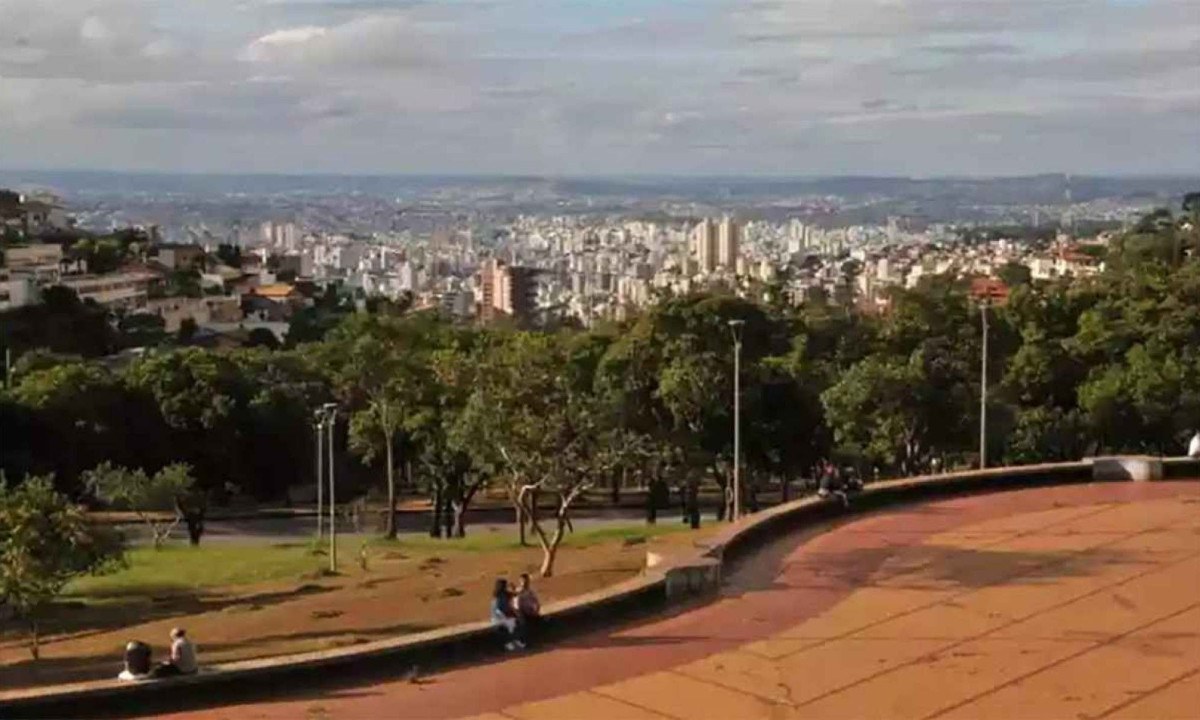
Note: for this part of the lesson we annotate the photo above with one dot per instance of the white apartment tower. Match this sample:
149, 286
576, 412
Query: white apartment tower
729, 236
704, 245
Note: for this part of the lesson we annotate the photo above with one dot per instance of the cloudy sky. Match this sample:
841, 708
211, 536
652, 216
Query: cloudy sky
796, 87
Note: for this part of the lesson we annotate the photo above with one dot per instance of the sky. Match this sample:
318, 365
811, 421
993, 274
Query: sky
602, 87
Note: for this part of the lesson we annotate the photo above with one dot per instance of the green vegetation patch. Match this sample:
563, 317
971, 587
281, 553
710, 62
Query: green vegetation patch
185, 568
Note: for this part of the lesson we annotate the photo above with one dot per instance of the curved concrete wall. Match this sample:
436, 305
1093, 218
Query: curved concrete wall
666, 580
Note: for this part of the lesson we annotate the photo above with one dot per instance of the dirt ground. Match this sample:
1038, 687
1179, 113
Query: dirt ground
403, 591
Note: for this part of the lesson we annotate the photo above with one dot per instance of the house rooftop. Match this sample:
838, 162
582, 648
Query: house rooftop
277, 290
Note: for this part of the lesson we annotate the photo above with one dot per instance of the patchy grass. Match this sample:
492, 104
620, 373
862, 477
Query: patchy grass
181, 568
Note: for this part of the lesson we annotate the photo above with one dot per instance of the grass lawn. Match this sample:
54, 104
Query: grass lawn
246, 601
177, 568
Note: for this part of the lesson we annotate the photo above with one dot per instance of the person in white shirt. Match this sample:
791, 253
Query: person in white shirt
183, 656
1194, 447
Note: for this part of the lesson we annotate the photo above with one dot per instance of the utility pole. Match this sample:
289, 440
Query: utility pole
735, 327
983, 314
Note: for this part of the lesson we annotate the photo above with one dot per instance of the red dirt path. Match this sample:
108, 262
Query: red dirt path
794, 579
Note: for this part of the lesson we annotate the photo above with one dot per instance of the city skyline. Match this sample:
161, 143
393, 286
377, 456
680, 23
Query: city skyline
924, 88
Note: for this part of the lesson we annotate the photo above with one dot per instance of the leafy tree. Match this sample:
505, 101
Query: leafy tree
60, 324
875, 414
1014, 274
84, 414
158, 500
45, 542
378, 373
187, 331
229, 254
540, 417
262, 337
202, 399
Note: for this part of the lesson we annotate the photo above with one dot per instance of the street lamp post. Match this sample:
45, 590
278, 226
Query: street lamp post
735, 327
983, 315
330, 423
319, 426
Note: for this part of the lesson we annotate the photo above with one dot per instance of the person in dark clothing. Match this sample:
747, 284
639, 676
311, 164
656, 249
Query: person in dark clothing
137, 661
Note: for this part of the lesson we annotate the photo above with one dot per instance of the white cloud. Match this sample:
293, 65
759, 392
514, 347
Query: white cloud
95, 30
534, 85
379, 41
262, 48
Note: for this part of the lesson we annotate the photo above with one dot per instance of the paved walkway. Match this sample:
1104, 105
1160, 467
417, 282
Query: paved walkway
1078, 601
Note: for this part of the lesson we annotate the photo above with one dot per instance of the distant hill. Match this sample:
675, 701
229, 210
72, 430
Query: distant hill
1031, 190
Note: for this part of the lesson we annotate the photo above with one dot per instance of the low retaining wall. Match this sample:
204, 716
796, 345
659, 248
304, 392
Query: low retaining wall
667, 580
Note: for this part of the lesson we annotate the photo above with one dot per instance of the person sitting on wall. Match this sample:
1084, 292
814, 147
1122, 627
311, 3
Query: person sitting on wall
183, 656
528, 607
831, 485
504, 616
137, 661
1194, 447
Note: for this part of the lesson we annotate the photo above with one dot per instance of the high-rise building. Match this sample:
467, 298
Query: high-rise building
704, 245
506, 290
729, 236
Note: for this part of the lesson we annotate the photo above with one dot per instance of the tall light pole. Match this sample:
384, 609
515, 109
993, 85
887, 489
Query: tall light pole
983, 315
330, 423
319, 426
735, 327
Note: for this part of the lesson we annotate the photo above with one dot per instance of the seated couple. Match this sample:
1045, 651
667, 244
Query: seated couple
516, 612
138, 664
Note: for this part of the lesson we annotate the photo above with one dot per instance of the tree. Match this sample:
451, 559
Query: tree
61, 323
187, 331
84, 414
151, 497
1014, 274
875, 413
45, 542
262, 337
377, 373
203, 401
536, 411
229, 254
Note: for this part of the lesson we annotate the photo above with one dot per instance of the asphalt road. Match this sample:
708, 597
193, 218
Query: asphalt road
268, 530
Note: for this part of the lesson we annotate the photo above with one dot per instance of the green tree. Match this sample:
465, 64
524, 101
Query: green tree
229, 254
875, 414
45, 542
378, 372
537, 412
159, 500
1014, 274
